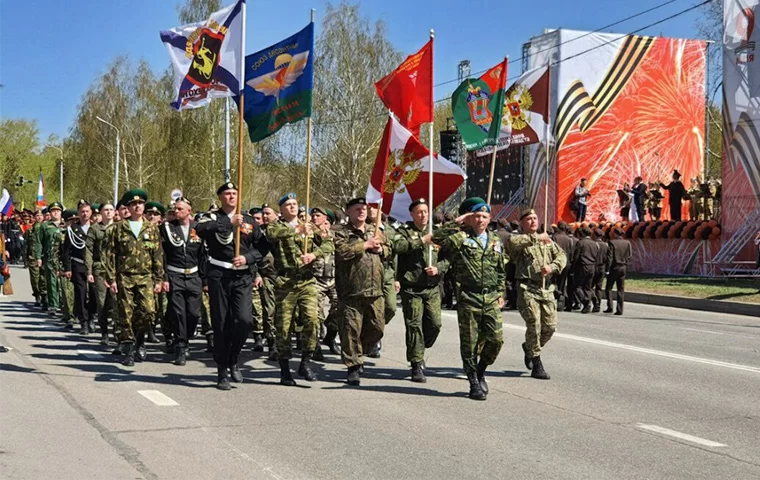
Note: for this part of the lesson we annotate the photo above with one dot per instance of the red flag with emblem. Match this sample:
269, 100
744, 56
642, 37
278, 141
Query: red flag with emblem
408, 90
402, 172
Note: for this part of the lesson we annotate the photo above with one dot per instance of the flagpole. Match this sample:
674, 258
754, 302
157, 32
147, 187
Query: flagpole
226, 139
547, 153
241, 122
308, 166
431, 201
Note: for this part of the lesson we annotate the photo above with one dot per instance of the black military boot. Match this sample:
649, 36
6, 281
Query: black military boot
170, 346
129, 359
258, 343
85, 328
418, 375
481, 374
304, 369
375, 353
354, 378
210, 342
586, 308
597, 308
272, 350
527, 356
152, 338
318, 355
236, 374
476, 392
222, 378
286, 378
141, 354
119, 350
329, 340
180, 358
538, 370
608, 310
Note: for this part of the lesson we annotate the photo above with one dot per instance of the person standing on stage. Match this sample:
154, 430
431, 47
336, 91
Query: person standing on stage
230, 280
676, 196
639, 191
581, 200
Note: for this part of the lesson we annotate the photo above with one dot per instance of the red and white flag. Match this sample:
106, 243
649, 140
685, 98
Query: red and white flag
402, 173
408, 90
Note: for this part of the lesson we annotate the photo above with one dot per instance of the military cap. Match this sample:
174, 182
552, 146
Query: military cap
96, 207
356, 201
134, 195
55, 206
419, 201
466, 206
119, 204
155, 207
286, 197
481, 207
225, 187
170, 207
69, 214
44, 210
254, 210
526, 211
81, 203
321, 210
264, 205
676, 174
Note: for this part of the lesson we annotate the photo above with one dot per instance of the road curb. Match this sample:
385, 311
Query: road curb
735, 308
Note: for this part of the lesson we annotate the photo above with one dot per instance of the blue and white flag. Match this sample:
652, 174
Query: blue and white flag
208, 57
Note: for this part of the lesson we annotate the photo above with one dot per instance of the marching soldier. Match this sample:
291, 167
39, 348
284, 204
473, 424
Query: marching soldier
154, 212
46, 253
258, 308
67, 286
617, 259
183, 253
359, 279
419, 273
537, 258
295, 245
134, 271
93, 261
585, 259
36, 276
599, 273
75, 270
267, 275
478, 261
230, 280
324, 272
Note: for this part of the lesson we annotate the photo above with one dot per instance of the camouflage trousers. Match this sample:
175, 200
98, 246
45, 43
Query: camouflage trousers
36, 279
539, 310
480, 329
136, 304
362, 322
104, 302
326, 293
389, 294
422, 318
206, 326
263, 309
52, 284
290, 295
67, 298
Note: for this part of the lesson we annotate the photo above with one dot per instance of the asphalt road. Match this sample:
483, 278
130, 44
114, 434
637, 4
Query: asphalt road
658, 393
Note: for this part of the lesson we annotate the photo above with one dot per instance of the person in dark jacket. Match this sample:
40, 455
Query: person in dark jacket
617, 260
600, 269
677, 192
567, 245
585, 259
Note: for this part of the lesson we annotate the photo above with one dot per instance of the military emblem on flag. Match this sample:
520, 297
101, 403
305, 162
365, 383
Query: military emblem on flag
207, 57
477, 105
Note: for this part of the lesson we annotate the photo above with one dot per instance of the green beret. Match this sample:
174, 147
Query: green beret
155, 207
134, 195
330, 214
96, 207
81, 203
526, 211
467, 205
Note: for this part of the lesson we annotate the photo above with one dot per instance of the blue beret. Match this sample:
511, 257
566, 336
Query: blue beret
286, 197
481, 207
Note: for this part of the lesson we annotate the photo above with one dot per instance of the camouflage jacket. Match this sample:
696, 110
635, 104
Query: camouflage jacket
93, 254
414, 256
125, 254
50, 244
288, 246
529, 254
324, 268
390, 261
476, 268
358, 273
33, 239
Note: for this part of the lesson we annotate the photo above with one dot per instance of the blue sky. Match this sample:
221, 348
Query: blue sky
52, 50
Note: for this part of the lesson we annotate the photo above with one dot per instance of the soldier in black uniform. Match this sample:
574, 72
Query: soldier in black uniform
584, 267
618, 257
74, 268
183, 253
230, 280
565, 242
600, 269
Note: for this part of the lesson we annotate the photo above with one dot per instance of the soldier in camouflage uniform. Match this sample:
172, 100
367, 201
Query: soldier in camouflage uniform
295, 285
93, 261
36, 277
324, 272
537, 258
359, 279
134, 271
267, 275
479, 263
45, 254
67, 286
154, 212
390, 286
420, 276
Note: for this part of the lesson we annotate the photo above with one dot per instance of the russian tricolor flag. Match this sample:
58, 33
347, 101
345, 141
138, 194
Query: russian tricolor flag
6, 203
41, 194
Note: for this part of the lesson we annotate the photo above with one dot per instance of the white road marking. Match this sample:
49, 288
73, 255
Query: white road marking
158, 398
703, 331
679, 435
91, 354
649, 351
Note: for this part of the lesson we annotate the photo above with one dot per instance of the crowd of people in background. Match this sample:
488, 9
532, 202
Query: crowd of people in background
637, 200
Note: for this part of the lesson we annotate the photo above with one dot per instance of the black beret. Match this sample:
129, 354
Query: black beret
225, 187
420, 201
356, 201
